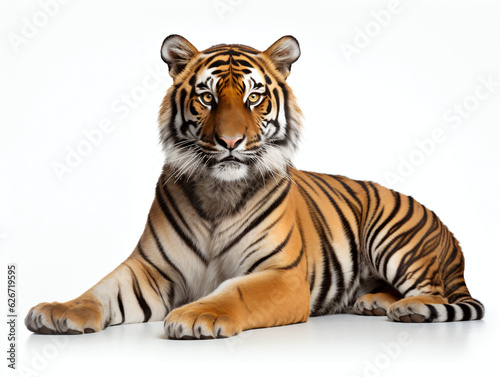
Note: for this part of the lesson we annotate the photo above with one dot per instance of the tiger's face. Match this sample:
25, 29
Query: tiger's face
229, 115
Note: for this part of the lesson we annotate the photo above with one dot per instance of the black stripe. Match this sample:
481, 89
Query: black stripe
356, 210
372, 220
256, 63
298, 259
389, 218
108, 320
348, 231
163, 253
268, 108
313, 278
152, 281
244, 63
466, 310
348, 188
309, 175
295, 262
120, 306
218, 63
173, 109
450, 313
192, 80
433, 314
457, 296
207, 60
261, 203
276, 122
146, 258
326, 278
258, 220
274, 252
140, 298
364, 186
154, 285
240, 293
397, 243
329, 254
256, 241
404, 220
252, 251
193, 111
275, 222
370, 224
194, 201
177, 228
184, 125
368, 232
422, 276
425, 246
286, 110
477, 307
226, 52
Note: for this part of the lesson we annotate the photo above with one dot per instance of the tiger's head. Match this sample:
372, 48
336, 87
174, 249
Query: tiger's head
229, 114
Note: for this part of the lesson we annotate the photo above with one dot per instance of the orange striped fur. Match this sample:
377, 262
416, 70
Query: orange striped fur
237, 238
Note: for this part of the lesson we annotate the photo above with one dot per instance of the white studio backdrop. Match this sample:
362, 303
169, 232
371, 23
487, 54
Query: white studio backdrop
404, 93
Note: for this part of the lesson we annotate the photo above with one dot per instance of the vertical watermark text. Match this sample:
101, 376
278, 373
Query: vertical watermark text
12, 316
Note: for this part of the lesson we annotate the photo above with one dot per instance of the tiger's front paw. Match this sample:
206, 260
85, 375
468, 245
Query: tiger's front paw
200, 321
72, 317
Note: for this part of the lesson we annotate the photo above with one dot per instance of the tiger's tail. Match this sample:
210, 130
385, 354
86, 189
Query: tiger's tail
465, 308
462, 306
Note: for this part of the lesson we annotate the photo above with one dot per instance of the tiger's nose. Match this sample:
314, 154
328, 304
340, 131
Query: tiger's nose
229, 142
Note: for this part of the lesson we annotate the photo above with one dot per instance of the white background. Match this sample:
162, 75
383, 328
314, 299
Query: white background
362, 117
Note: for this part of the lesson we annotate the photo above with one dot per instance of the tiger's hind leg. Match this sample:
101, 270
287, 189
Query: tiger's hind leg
410, 248
377, 303
422, 289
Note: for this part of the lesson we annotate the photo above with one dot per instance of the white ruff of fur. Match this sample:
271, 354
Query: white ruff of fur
229, 171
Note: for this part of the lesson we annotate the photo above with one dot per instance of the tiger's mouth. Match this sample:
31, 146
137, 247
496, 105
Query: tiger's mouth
229, 161
232, 159
229, 169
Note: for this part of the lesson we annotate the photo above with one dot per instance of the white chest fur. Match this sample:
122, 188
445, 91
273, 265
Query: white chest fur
224, 249
219, 223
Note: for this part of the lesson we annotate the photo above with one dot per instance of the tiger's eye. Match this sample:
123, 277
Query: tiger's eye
207, 98
254, 97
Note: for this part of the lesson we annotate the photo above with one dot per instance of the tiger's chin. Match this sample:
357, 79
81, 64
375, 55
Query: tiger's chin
229, 171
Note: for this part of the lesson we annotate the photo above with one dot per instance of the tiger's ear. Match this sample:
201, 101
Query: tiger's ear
283, 53
176, 51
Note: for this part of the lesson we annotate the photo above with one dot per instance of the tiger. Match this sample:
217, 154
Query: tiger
237, 238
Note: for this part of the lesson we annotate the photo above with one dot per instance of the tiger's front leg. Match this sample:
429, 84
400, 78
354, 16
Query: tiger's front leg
267, 298
134, 292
